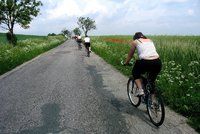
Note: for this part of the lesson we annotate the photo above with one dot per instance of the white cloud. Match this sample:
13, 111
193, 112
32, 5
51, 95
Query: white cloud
68, 8
139, 13
174, 1
116, 16
190, 12
63, 9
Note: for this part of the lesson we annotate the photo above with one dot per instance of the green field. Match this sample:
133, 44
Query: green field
28, 47
4, 41
179, 79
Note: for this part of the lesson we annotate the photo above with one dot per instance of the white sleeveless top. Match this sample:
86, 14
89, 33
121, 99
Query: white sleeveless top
87, 39
146, 49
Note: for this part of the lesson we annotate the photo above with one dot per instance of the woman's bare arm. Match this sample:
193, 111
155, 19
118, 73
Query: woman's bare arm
131, 52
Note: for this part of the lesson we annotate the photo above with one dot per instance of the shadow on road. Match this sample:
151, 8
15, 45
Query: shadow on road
120, 106
113, 119
50, 117
124, 106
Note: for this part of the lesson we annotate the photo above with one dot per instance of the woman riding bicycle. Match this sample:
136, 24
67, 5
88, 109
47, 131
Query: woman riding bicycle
149, 60
87, 45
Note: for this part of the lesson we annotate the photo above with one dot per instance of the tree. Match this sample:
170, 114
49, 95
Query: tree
86, 24
51, 34
77, 31
17, 12
66, 32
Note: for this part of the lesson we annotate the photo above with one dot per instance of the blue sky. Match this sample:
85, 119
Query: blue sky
123, 17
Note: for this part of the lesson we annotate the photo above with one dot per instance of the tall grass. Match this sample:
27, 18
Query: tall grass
180, 75
10, 56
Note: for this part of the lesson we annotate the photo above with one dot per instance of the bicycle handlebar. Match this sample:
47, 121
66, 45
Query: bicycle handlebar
122, 63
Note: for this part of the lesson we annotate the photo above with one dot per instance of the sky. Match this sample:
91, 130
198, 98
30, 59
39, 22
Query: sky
118, 17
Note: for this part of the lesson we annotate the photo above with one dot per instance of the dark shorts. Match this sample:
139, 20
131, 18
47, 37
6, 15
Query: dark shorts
79, 40
153, 67
87, 44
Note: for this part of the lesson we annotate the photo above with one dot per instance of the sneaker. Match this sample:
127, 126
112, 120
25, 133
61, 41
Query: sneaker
139, 92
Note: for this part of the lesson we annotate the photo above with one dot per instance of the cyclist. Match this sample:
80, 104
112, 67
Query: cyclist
87, 45
79, 40
149, 60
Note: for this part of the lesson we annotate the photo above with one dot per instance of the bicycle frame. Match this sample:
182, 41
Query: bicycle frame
153, 106
146, 86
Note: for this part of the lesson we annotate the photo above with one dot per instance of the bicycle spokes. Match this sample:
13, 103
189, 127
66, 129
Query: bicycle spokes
132, 86
156, 111
131, 89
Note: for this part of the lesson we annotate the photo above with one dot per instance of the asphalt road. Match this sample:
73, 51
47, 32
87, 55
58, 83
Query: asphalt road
65, 92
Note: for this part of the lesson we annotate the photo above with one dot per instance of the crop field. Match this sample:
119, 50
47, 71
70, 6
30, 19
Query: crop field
179, 79
4, 41
27, 48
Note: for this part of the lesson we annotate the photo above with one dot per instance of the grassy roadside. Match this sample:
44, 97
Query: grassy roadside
26, 49
180, 76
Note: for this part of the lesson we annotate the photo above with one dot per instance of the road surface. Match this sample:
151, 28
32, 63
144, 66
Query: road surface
65, 92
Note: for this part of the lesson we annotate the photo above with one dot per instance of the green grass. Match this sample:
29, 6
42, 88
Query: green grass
26, 49
4, 41
180, 75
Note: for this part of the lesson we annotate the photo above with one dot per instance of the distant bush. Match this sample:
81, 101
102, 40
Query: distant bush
51, 34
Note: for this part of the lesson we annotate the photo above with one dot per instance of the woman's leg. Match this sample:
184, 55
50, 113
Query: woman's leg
137, 71
154, 71
87, 50
138, 83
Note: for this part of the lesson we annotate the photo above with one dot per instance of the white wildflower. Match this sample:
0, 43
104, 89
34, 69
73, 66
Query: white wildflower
182, 76
188, 95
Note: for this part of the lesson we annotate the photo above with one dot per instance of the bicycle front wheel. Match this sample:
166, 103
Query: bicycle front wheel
155, 108
131, 90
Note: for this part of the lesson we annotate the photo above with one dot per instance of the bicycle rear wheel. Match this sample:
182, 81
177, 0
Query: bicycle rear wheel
131, 89
156, 110
79, 46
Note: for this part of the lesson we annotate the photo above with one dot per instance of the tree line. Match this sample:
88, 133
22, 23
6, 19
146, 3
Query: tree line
22, 12
85, 25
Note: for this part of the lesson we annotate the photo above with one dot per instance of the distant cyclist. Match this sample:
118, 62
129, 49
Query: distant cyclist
87, 45
149, 60
79, 41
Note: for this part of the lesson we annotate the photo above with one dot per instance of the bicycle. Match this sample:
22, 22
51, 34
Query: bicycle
88, 52
79, 41
87, 49
155, 107
79, 46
